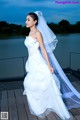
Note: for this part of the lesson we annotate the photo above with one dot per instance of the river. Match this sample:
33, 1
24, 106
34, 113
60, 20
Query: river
13, 54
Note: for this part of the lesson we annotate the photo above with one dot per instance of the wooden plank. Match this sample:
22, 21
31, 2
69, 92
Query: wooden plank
20, 106
78, 109
51, 116
12, 105
76, 85
77, 117
0, 98
42, 118
4, 103
57, 117
30, 116
74, 113
78, 114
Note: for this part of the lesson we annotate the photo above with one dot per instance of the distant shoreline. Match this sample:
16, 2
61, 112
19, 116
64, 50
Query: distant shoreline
8, 30
8, 36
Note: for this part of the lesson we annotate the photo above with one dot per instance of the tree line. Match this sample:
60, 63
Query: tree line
62, 27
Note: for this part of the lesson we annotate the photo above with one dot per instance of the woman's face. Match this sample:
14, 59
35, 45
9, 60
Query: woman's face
30, 21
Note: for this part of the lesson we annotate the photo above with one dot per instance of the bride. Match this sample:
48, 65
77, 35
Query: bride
46, 86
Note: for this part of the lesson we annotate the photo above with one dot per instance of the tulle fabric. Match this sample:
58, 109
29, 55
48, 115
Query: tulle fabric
49, 38
70, 95
47, 111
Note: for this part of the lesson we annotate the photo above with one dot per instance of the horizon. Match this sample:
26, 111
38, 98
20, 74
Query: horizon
47, 22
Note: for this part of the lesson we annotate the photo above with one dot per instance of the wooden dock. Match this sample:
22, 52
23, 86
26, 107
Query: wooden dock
15, 103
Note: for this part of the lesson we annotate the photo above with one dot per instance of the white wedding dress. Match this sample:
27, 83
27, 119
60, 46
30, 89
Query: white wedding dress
41, 88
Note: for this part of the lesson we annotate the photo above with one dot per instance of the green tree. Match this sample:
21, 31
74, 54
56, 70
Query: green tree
63, 26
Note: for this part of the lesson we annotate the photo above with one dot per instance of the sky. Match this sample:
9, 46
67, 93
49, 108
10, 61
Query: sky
15, 11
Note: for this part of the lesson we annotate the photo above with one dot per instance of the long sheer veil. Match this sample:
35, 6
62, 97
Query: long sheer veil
70, 95
49, 37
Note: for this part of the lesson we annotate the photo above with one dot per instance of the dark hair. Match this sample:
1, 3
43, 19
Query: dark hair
34, 16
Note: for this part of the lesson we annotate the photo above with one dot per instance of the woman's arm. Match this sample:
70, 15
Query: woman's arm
40, 40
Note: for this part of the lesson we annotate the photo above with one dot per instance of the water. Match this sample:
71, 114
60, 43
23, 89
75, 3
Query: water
66, 52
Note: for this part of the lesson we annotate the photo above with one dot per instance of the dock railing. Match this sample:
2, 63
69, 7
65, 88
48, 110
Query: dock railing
12, 67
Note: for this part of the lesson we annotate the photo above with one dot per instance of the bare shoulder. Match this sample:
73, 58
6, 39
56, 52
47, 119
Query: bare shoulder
38, 35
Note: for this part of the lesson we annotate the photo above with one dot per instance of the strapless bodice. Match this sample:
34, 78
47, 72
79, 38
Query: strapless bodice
32, 44
35, 58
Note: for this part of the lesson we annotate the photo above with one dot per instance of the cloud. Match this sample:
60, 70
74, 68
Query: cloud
52, 11
28, 3
33, 3
37, 3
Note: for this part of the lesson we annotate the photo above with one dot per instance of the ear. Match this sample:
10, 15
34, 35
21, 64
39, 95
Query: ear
35, 21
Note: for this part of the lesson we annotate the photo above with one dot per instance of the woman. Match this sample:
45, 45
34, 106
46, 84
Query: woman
44, 85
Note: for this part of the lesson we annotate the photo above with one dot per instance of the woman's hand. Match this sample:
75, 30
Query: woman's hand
51, 69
